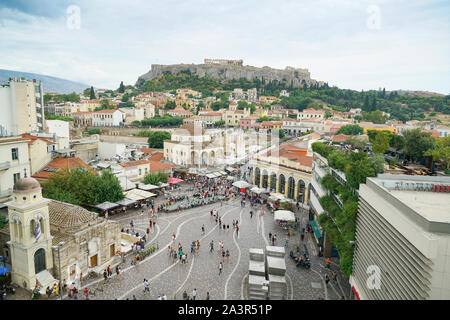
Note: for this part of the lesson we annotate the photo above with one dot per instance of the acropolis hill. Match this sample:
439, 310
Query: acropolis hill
234, 69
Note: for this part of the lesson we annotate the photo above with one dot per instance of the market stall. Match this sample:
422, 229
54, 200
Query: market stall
174, 180
111, 208
126, 204
139, 196
285, 219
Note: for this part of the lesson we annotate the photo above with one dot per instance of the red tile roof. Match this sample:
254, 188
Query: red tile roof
148, 150
159, 166
157, 156
340, 138
58, 164
133, 163
108, 111
34, 138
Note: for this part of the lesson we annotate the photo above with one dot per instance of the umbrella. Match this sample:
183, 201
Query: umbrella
174, 180
4, 270
241, 184
284, 215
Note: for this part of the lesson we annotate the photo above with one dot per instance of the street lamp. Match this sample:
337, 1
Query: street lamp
58, 247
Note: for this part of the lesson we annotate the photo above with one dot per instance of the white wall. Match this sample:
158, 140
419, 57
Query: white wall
58, 127
107, 150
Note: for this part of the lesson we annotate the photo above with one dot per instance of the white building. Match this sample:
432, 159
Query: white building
58, 127
22, 107
402, 239
252, 95
108, 118
14, 160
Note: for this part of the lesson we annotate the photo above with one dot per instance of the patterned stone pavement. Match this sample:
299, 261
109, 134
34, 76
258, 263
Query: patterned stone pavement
172, 278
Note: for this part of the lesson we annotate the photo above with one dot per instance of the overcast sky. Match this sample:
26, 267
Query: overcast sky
351, 44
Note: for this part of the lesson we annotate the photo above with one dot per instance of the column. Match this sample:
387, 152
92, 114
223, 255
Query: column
296, 191
278, 183
260, 179
306, 194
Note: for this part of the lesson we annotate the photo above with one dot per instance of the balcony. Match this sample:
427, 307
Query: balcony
5, 166
315, 204
320, 191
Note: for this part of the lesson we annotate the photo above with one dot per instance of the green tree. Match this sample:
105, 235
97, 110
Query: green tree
381, 142
155, 178
356, 143
440, 150
351, 130
92, 94
170, 105
108, 188
121, 87
417, 143
328, 114
156, 139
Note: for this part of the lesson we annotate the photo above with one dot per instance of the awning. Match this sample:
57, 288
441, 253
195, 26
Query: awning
230, 169
137, 194
284, 215
106, 206
174, 180
126, 202
217, 174
211, 176
258, 190
316, 229
147, 187
163, 185
241, 184
231, 178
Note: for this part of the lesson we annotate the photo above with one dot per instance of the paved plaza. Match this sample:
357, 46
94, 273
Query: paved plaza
171, 277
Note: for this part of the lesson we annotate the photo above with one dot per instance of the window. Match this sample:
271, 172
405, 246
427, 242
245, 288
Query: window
16, 177
140, 171
15, 153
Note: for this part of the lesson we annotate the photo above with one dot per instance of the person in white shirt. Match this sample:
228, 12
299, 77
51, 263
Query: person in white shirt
194, 294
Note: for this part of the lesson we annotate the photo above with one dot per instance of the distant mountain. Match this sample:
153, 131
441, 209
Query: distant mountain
51, 84
415, 93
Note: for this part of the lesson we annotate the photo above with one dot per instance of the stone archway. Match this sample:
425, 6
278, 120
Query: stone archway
39, 261
301, 191
273, 181
281, 184
291, 188
265, 179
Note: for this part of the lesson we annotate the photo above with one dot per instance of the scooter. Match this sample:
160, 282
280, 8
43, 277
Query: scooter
305, 262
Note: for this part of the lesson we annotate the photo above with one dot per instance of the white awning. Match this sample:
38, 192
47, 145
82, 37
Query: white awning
284, 215
147, 187
241, 184
211, 175
137, 194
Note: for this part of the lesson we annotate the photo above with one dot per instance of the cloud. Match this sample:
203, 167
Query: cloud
118, 42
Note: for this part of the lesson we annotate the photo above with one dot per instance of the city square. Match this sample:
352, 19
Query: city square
170, 277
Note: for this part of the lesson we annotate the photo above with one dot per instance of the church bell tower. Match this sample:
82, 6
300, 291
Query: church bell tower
29, 227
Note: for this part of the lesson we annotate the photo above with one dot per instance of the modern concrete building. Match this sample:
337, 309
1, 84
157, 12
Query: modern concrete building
22, 107
403, 239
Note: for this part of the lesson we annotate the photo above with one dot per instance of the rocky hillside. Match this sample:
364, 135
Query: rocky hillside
228, 70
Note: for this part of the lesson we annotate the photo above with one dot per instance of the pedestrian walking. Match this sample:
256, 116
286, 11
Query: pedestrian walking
203, 230
146, 286
211, 246
270, 236
327, 279
335, 276
220, 268
105, 275
227, 254
194, 294
207, 296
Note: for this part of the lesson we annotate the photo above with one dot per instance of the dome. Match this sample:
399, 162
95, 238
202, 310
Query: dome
27, 185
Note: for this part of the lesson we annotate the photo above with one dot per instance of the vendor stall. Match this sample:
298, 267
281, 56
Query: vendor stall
126, 204
111, 208
147, 187
285, 219
174, 180
139, 196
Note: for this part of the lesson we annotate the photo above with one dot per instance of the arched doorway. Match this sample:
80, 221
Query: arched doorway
291, 188
39, 261
265, 179
281, 185
301, 191
257, 176
204, 158
212, 157
273, 181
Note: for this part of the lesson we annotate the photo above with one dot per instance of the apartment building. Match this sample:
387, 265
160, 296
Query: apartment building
14, 162
402, 249
108, 118
22, 104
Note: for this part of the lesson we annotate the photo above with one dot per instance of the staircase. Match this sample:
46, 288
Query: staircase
45, 279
